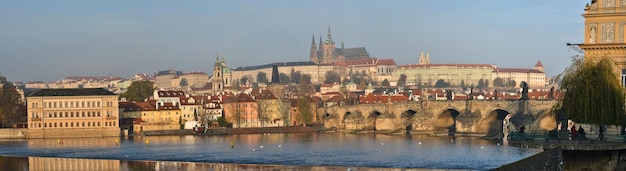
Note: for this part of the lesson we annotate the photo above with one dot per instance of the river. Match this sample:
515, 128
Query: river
284, 149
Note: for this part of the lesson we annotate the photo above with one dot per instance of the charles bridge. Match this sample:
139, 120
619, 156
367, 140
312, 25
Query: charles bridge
484, 117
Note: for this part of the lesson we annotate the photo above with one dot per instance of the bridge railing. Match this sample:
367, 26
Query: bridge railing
549, 136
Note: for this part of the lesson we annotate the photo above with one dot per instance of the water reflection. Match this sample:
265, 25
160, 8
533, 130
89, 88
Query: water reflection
69, 164
279, 150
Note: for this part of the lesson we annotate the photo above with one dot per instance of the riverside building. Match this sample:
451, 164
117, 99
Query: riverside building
80, 112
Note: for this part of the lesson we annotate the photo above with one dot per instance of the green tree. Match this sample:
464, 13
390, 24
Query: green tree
441, 83
385, 83
498, 82
284, 78
195, 115
481, 84
401, 80
183, 82
593, 93
463, 86
222, 121
295, 76
9, 104
138, 91
261, 77
332, 77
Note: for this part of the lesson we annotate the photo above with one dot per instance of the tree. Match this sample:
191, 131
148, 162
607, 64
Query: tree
332, 77
362, 85
261, 77
305, 85
593, 93
222, 121
9, 104
195, 115
385, 83
480, 84
304, 106
463, 86
441, 83
295, 76
138, 91
183, 82
498, 82
284, 78
402, 80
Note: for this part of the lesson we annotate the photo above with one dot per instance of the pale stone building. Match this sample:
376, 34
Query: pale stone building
317, 72
428, 74
86, 112
377, 69
604, 33
535, 77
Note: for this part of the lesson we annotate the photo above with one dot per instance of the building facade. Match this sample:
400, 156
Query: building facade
604, 33
428, 74
86, 112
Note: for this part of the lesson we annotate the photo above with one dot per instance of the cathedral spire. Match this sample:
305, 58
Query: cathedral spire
422, 61
329, 38
217, 58
313, 39
427, 57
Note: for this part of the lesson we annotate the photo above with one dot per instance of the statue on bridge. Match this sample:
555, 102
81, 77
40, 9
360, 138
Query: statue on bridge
524, 91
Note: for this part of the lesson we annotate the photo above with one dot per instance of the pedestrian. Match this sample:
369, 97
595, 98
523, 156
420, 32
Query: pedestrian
522, 129
573, 129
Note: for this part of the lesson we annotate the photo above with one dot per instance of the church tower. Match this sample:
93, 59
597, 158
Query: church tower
218, 79
604, 33
328, 53
539, 66
422, 59
314, 51
427, 60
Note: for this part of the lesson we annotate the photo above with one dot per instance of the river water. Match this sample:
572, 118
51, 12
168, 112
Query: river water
299, 150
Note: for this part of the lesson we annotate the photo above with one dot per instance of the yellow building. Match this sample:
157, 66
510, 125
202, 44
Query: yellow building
156, 116
428, 74
604, 33
86, 112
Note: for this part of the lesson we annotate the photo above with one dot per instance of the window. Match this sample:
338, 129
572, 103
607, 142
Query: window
88, 124
65, 124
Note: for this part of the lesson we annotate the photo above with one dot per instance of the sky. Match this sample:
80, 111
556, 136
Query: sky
50, 40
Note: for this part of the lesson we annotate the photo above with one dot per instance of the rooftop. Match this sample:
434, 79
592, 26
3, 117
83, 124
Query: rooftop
72, 92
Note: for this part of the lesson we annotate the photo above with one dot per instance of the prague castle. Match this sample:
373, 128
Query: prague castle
327, 53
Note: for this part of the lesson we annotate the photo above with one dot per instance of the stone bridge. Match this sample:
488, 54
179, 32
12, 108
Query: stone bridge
486, 117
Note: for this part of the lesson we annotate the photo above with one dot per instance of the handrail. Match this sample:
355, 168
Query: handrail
549, 135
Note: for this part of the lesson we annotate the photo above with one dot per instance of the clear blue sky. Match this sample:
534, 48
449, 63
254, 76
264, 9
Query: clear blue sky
49, 40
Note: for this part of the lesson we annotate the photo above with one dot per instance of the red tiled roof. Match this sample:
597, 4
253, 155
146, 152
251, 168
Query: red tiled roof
519, 70
386, 62
539, 64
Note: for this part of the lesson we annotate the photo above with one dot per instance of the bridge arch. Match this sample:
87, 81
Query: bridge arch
494, 122
447, 120
407, 118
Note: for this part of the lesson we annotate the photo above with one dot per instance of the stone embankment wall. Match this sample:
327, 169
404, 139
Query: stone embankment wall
73, 133
551, 159
13, 133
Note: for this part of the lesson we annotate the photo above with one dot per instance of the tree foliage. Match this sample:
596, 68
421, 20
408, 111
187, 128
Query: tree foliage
593, 93
183, 82
261, 77
9, 104
304, 106
385, 83
332, 77
498, 82
138, 91
463, 85
284, 78
402, 80
442, 83
294, 76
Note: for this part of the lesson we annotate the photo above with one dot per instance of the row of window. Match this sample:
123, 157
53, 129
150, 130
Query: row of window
71, 104
72, 124
71, 114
